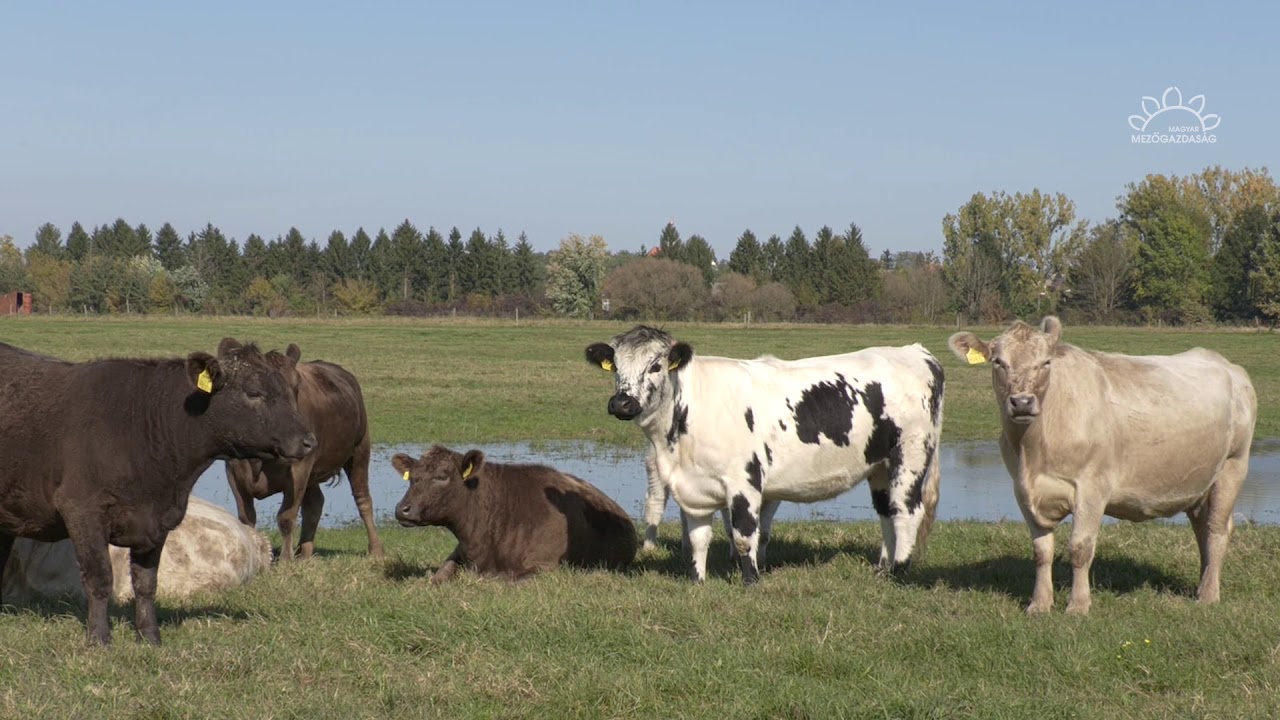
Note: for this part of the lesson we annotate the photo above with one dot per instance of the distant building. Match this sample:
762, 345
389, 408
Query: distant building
15, 303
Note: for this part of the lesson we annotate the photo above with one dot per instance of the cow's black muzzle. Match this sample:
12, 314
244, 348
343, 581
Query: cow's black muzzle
624, 407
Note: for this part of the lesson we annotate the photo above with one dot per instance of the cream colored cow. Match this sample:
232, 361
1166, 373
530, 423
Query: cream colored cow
209, 550
1089, 434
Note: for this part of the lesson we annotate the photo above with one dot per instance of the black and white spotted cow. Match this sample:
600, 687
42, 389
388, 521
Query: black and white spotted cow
744, 435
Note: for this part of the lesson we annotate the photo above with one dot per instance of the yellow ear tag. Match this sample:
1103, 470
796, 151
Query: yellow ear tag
467, 471
673, 365
607, 365
205, 382
406, 476
975, 357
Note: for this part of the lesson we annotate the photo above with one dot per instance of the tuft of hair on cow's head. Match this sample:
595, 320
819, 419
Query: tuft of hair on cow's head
643, 360
249, 403
1020, 359
439, 483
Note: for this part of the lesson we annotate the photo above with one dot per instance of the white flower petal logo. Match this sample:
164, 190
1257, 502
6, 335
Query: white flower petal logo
1170, 101
1181, 121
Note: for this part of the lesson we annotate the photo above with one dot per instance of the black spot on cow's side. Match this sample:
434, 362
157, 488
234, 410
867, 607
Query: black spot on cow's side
885, 433
768, 455
880, 501
792, 409
935, 388
751, 421
679, 423
754, 474
740, 515
826, 408
782, 424
915, 493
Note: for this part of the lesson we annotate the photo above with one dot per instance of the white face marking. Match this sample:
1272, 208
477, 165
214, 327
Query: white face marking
641, 371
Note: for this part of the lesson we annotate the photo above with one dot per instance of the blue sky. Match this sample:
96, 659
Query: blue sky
610, 118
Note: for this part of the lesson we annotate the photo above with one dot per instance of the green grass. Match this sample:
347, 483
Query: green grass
822, 636
475, 381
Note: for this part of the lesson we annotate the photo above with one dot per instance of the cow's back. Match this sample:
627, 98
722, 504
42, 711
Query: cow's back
817, 416
533, 518
1147, 432
600, 531
331, 402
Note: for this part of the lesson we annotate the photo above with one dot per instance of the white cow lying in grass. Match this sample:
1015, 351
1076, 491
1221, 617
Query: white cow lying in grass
209, 550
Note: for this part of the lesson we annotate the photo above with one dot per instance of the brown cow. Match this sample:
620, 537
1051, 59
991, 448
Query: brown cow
106, 452
332, 406
1135, 437
512, 520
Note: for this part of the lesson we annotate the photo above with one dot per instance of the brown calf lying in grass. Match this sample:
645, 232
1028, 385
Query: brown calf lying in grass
512, 520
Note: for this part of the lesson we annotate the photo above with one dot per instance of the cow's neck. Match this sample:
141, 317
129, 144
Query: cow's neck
668, 422
189, 443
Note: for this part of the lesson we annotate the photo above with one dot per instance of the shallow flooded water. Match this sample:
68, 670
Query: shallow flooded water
975, 485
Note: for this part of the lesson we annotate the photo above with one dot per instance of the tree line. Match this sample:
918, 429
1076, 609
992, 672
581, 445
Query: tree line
1198, 248
1190, 249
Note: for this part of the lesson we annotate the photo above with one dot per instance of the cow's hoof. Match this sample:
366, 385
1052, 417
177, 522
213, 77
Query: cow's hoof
1039, 608
1078, 609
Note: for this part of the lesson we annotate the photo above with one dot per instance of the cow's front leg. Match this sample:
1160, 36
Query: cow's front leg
767, 510
143, 567
241, 475
655, 504
449, 568
295, 487
744, 510
699, 532
90, 544
312, 509
1085, 524
1042, 550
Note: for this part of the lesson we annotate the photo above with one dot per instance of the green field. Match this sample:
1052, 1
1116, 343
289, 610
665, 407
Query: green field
473, 381
822, 636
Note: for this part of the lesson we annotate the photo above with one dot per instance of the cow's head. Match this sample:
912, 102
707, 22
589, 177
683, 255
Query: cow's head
247, 401
440, 485
1020, 361
642, 361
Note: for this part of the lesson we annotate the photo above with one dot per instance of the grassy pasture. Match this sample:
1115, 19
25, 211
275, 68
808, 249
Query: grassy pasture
474, 381
821, 637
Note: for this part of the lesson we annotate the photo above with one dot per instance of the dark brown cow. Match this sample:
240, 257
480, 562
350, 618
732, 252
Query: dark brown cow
512, 520
332, 406
108, 451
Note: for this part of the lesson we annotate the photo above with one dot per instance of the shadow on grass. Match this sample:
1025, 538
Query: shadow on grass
1009, 575
397, 569
167, 614
1014, 576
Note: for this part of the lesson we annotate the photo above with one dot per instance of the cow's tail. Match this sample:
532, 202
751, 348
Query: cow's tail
929, 496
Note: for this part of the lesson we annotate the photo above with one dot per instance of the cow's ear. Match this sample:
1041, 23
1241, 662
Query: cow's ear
679, 356
1052, 327
228, 345
403, 464
293, 352
471, 463
969, 348
205, 373
601, 354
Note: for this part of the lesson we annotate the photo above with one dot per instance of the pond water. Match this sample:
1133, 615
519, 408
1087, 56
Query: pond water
974, 486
